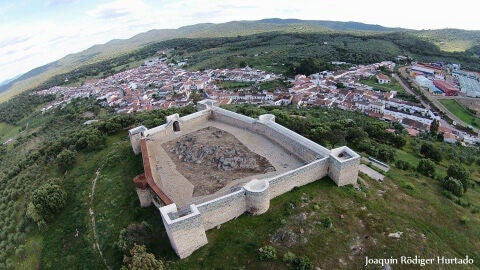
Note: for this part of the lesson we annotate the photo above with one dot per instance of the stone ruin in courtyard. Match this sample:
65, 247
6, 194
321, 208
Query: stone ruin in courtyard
209, 167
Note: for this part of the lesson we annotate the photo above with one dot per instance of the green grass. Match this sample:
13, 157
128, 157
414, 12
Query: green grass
233, 84
454, 107
33, 251
394, 85
7, 131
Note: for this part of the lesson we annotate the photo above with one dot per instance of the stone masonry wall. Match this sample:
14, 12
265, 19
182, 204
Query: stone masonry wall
298, 145
223, 209
289, 143
344, 173
186, 233
298, 177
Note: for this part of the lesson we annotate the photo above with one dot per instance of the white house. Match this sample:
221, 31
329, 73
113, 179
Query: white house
383, 79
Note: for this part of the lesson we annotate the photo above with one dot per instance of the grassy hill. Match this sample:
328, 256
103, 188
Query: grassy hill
448, 39
451, 40
335, 228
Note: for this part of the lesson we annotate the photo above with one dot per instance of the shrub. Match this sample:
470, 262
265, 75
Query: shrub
453, 185
386, 154
302, 263
463, 203
140, 259
403, 165
409, 186
464, 220
289, 257
135, 233
327, 222
426, 167
268, 253
460, 173
21, 252
431, 152
297, 262
449, 195
66, 159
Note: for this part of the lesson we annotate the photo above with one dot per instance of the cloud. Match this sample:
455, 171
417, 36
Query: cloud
109, 13
5, 8
11, 41
60, 2
119, 9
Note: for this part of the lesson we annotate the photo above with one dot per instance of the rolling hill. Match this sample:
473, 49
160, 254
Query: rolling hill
446, 39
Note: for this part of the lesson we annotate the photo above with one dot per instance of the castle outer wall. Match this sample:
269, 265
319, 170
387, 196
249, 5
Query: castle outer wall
186, 227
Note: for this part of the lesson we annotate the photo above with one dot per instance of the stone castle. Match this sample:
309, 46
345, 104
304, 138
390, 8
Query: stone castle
296, 159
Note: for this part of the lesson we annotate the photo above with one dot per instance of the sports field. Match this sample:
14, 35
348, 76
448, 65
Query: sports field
454, 107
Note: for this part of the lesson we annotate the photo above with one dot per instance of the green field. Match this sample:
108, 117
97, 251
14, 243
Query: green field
393, 86
7, 131
454, 107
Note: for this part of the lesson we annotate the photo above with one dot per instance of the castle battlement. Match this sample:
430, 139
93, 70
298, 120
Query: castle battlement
296, 160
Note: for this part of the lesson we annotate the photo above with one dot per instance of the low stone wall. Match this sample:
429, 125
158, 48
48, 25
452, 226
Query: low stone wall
294, 143
223, 209
288, 142
233, 119
298, 177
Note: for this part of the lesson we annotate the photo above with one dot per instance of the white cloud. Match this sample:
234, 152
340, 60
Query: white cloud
121, 8
26, 46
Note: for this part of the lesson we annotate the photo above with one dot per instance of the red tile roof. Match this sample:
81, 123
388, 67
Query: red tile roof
148, 174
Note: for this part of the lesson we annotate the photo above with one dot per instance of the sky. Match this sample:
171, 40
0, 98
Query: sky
34, 32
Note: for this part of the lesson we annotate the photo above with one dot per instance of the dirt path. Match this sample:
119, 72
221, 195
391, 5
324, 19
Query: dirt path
92, 217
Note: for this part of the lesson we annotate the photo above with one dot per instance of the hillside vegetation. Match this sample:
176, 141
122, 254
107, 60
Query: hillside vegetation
322, 225
274, 51
451, 40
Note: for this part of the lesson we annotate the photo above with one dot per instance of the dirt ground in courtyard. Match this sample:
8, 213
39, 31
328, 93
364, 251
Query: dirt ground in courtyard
210, 158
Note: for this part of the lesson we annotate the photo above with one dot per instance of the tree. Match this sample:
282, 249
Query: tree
398, 127
453, 185
431, 152
398, 141
196, 96
135, 233
337, 137
386, 154
434, 127
140, 259
460, 173
46, 201
403, 165
426, 167
66, 159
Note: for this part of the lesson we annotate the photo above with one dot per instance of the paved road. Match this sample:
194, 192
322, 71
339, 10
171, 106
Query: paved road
405, 86
434, 100
371, 172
